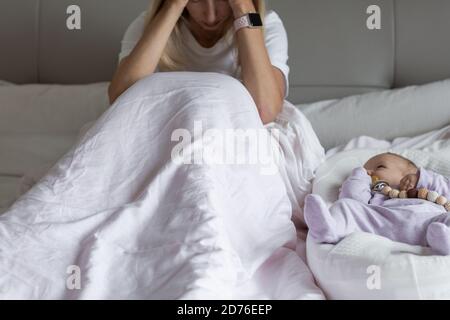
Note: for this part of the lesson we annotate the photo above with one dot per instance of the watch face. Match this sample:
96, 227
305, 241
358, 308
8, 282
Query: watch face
255, 19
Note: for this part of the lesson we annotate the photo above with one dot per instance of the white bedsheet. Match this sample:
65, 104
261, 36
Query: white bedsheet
138, 225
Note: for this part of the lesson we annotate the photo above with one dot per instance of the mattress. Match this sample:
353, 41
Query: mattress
26, 157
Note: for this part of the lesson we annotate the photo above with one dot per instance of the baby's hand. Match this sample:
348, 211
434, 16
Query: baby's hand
409, 182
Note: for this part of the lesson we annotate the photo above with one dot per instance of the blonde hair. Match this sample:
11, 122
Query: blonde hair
172, 58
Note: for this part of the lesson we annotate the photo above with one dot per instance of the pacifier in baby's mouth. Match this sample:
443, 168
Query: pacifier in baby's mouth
377, 184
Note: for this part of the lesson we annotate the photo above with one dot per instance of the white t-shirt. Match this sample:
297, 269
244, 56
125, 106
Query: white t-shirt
221, 57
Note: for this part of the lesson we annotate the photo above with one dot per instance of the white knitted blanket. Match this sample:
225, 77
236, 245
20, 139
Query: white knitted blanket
436, 157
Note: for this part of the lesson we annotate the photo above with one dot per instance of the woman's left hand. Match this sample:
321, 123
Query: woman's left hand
241, 7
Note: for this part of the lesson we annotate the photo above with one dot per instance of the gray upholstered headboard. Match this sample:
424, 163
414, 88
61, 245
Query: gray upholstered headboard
332, 53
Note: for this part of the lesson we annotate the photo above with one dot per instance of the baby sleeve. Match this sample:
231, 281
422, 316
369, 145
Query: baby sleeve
357, 186
434, 182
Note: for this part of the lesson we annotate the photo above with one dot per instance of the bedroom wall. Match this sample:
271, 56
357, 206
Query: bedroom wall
332, 52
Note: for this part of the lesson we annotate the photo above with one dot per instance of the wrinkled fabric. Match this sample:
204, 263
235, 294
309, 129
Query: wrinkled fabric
118, 211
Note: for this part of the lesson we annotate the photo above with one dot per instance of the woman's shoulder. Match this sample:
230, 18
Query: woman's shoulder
142, 15
272, 18
139, 21
136, 28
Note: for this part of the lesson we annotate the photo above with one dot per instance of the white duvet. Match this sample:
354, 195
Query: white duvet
134, 224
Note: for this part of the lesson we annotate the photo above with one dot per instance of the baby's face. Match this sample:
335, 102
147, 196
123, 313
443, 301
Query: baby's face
389, 168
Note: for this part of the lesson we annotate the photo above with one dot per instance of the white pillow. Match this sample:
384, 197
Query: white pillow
39, 123
50, 108
6, 83
385, 114
351, 269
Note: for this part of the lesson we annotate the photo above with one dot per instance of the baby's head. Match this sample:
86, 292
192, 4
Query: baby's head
390, 167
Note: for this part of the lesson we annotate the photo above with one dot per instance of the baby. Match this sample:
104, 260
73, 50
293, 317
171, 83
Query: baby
409, 220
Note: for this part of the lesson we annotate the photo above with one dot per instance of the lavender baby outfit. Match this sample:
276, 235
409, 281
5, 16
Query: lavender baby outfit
412, 221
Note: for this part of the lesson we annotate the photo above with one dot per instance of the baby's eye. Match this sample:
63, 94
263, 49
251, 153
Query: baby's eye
381, 166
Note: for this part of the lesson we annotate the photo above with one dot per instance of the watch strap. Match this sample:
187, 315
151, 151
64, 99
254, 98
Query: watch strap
242, 22
246, 22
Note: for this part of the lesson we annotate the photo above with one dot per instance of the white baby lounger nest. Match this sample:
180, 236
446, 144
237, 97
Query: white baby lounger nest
368, 266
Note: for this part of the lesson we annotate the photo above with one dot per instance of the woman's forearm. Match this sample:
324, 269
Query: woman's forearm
258, 74
144, 58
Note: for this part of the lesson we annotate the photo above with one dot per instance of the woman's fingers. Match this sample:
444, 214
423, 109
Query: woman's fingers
181, 2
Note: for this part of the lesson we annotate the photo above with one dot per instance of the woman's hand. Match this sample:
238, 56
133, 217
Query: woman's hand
181, 2
178, 3
241, 7
409, 182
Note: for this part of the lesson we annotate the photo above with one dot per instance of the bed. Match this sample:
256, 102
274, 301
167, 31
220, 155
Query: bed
47, 99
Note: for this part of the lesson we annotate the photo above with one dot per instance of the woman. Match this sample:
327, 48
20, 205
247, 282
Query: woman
201, 35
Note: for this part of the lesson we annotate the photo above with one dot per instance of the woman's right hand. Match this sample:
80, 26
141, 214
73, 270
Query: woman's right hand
180, 3
145, 57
